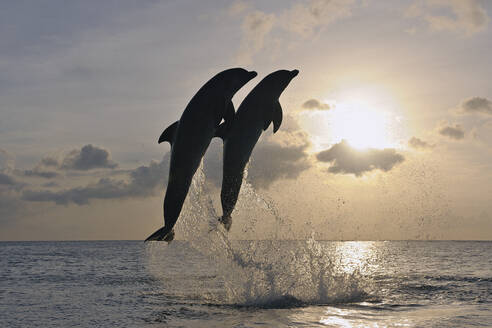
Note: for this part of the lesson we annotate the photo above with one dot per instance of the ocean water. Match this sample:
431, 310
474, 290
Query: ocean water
261, 284
208, 280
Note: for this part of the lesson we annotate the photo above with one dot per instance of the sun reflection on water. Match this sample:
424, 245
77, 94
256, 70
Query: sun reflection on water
356, 318
356, 255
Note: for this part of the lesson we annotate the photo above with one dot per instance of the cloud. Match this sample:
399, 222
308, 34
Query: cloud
417, 143
305, 18
87, 158
6, 180
272, 161
302, 19
237, 7
269, 162
255, 27
84, 159
465, 16
279, 156
316, 104
275, 157
143, 182
476, 105
455, 132
42, 174
50, 184
7, 161
49, 162
347, 160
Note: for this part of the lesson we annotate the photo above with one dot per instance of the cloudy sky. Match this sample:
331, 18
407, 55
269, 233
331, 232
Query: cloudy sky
387, 130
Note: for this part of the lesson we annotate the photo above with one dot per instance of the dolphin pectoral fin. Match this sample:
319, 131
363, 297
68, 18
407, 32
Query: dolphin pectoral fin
267, 118
221, 131
161, 234
277, 116
229, 113
169, 133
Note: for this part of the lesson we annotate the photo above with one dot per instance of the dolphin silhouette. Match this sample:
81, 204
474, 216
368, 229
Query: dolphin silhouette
191, 135
260, 107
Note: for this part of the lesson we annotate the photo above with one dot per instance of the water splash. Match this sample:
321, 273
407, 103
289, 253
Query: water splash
265, 273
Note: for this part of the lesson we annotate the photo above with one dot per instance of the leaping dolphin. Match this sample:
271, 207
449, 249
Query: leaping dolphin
260, 107
191, 135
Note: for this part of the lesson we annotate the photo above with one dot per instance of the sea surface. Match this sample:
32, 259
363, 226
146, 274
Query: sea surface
224, 283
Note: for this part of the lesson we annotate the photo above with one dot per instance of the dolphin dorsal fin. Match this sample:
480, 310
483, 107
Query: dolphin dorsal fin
277, 116
169, 133
221, 131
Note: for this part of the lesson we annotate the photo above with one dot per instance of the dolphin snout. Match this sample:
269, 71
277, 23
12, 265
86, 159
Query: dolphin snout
294, 72
252, 75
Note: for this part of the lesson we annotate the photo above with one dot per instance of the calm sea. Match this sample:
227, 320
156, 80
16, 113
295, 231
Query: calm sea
246, 284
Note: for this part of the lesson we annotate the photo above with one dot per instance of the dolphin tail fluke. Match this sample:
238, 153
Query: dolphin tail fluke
163, 234
226, 221
169, 133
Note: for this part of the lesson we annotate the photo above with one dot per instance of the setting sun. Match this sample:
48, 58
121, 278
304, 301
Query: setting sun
367, 115
361, 126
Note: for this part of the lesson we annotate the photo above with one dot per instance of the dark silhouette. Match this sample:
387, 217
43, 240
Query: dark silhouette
256, 112
190, 136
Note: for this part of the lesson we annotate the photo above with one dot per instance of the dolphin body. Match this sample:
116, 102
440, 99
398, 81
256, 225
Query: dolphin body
260, 107
191, 135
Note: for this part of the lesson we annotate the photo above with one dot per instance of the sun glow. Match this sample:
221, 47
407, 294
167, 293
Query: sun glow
363, 117
361, 126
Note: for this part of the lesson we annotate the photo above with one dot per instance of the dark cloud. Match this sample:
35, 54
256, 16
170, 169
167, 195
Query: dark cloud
143, 182
347, 160
315, 104
269, 162
272, 161
275, 157
41, 174
49, 162
104, 189
417, 143
44, 169
477, 105
455, 132
87, 158
6, 180
50, 184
